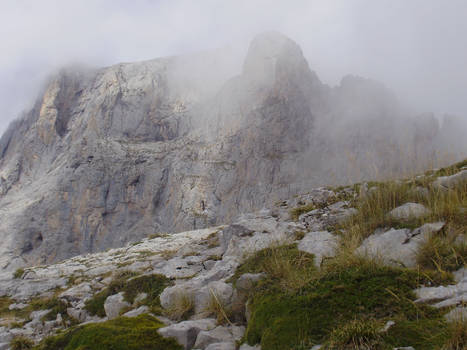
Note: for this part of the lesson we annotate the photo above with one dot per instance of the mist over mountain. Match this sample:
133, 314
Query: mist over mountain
111, 155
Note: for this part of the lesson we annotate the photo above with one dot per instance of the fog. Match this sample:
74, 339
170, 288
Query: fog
416, 47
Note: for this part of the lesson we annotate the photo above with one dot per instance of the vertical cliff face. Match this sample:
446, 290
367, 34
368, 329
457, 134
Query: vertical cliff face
111, 155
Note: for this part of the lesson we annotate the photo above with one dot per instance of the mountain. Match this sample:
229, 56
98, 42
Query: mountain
109, 156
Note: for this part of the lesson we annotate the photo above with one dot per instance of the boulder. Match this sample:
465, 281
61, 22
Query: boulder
221, 346
397, 247
408, 211
186, 332
114, 304
222, 291
219, 334
447, 182
246, 281
249, 347
320, 243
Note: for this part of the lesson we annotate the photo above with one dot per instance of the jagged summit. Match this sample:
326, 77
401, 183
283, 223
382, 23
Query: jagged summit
110, 155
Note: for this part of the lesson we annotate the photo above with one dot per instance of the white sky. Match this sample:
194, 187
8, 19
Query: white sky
416, 47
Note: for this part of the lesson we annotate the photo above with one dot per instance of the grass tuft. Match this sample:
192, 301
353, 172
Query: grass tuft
21, 343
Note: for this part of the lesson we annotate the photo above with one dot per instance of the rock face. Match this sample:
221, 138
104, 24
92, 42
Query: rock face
112, 155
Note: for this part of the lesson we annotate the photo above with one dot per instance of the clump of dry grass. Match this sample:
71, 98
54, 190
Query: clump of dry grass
457, 335
182, 307
357, 335
217, 308
373, 207
445, 251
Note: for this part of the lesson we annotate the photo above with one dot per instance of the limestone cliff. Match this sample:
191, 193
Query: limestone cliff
111, 155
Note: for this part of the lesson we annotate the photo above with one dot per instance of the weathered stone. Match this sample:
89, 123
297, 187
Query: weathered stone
409, 210
221, 346
447, 182
136, 312
186, 332
220, 291
114, 304
321, 244
249, 347
246, 281
457, 314
219, 334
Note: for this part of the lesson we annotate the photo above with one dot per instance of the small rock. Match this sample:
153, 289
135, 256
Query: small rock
388, 325
249, 347
221, 346
186, 332
17, 306
136, 312
457, 314
140, 297
408, 211
221, 290
320, 243
114, 304
446, 182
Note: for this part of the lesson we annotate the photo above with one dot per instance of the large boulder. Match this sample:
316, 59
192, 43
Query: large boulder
409, 211
447, 182
220, 334
114, 305
397, 247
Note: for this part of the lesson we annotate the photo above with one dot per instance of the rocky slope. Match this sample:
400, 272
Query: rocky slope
204, 285
109, 156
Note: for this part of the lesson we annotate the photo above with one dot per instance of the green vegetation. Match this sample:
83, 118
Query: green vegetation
296, 212
450, 170
131, 286
18, 273
339, 305
286, 266
138, 333
21, 343
374, 206
54, 304
182, 307
446, 251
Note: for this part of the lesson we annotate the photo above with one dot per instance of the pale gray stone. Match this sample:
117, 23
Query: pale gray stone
409, 210
320, 243
221, 346
186, 332
114, 304
447, 182
136, 312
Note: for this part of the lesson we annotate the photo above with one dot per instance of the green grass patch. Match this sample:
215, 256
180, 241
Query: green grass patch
138, 333
296, 212
18, 273
152, 285
296, 319
286, 265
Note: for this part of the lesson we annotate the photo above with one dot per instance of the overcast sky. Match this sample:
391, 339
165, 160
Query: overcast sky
416, 47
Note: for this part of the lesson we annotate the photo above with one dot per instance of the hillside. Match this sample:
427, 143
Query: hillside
112, 155
377, 265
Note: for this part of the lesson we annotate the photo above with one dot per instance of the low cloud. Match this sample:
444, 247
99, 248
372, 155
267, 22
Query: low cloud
418, 48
